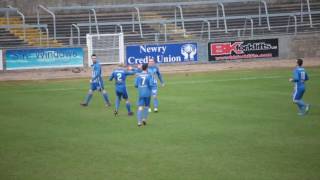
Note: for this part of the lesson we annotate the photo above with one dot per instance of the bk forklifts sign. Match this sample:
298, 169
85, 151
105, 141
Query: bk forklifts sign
246, 49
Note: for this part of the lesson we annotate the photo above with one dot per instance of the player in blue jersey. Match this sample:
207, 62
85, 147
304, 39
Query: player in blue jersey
96, 83
144, 84
153, 69
119, 75
299, 78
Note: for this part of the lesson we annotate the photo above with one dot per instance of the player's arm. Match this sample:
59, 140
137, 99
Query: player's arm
295, 77
136, 70
307, 77
160, 76
111, 76
150, 82
130, 72
136, 82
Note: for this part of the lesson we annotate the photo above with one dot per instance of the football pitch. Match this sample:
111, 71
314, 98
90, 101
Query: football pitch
220, 125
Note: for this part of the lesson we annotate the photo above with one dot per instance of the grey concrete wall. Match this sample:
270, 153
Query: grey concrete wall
305, 46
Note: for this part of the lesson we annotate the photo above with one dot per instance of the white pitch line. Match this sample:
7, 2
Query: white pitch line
170, 83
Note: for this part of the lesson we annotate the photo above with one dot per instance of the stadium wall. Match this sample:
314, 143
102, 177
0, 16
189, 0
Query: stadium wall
289, 46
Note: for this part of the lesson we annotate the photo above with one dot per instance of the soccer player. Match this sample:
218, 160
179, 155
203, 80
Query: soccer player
120, 74
96, 83
155, 73
299, 78
144, 84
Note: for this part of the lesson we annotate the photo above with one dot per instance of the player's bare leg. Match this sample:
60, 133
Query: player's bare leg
140, 115
128, 106
87, 99
106, 98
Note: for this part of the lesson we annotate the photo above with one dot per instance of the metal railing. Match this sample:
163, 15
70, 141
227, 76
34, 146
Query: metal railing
205, 21
139, 20
71, 34
116, 28
168, 21
176, 5
245, 26
309, 12
295, 24
22, 17
181, 18
223, 15
47, 35
39, 7
95, 20
266, 12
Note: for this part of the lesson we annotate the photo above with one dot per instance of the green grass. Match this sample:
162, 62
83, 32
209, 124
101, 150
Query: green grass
220, 125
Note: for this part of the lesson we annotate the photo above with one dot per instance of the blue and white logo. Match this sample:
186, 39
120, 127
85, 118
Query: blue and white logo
162, 53
189, 51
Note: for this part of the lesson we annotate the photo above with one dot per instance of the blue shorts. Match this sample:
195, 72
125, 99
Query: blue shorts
154, 91
97, 86
122, 94
144, 101
298, 94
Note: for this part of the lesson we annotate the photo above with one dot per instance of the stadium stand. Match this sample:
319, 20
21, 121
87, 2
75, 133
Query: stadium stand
163, 22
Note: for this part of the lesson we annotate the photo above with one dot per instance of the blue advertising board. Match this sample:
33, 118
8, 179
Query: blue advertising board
162, 53
43, 58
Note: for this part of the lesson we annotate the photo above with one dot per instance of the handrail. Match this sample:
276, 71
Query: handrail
165, 31
309, 12
23, 20
181, 18
95, 20
21, 26
139, 20
266, 13
133, 29
71, 34
224, 17
53, 18
8, 9
208, 27
47, 36
295, 24
116, 28
245, 26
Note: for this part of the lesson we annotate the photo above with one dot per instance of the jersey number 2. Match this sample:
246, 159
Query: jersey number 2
119, 76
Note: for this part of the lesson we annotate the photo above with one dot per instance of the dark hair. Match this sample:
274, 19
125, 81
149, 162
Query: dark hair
299, 62
144, 66
93, 55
